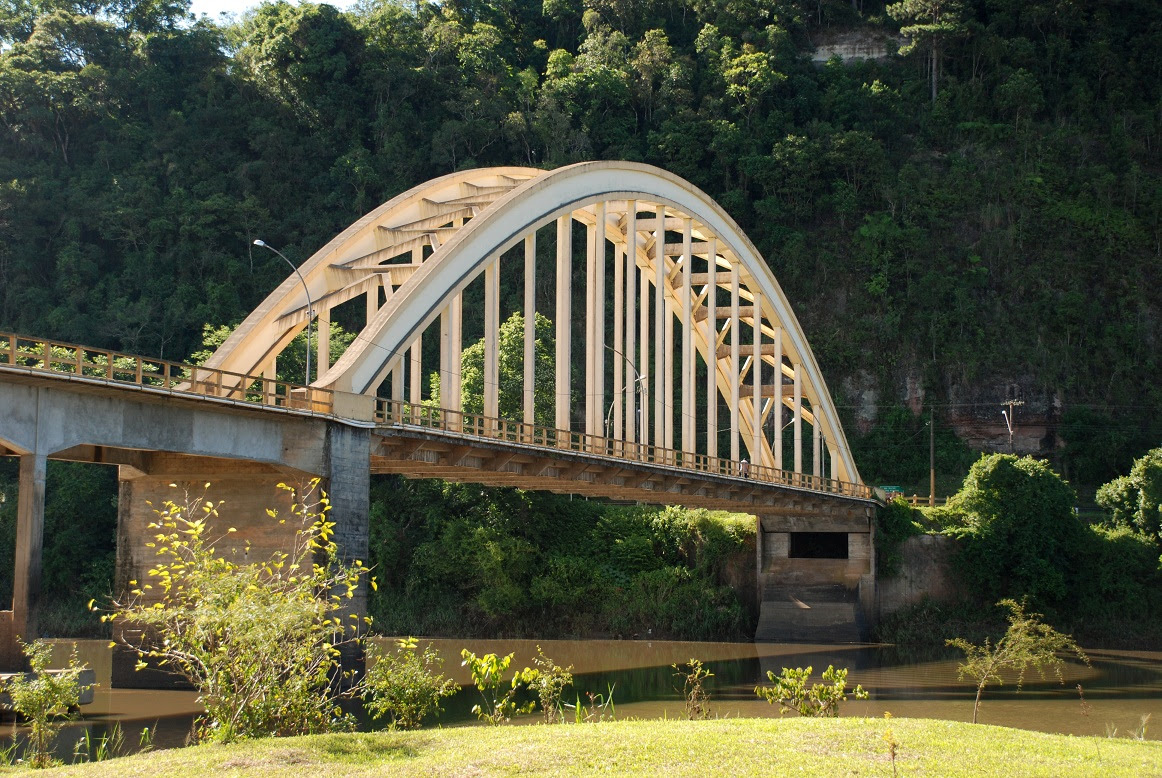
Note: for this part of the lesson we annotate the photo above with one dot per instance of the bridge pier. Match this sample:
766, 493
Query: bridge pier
245, 490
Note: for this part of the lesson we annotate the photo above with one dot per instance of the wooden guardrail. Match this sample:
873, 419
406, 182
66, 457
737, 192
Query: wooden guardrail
70, 359
394, 412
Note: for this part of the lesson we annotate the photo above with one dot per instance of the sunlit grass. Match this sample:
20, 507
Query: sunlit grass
726, 747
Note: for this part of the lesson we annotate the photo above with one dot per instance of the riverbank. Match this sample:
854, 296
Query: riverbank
844, 746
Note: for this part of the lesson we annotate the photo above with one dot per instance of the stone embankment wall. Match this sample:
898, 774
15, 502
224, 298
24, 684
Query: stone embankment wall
925, 572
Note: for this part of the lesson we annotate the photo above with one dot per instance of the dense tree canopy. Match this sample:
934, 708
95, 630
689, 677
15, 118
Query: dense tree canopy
1007, 231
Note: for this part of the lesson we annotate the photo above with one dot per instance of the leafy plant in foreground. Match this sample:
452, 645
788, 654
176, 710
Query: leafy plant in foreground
406, 685
488, 675
45, 699
549, 680
260, 641
820, 701
1027, 642
694, 677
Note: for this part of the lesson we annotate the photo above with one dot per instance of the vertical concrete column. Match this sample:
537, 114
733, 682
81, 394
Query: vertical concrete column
446, 358
417, 370
833, 454
618, 341
778, 409
668, 367
735, 361
816, 445
590, 328
492, 340
711, 348
29, 542
756, 376
661, 337
348, 485
644, 363
598, 344
372, 298
689, 351
323, 342
457, 348
530, 333
798, 421
632, 385
564, 318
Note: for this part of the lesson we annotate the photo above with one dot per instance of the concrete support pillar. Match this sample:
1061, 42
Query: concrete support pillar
446, 358
644, 359
492, 339
661, 336
416, 370
29, 542
457, 347
372, 298
689, 351
528, 403
323, 342
564, 318
798, 420
816, 447
778, 409
756, 378
668, 375
735, 362
632, 385
618, 341
712, 349
598, 344
591, 411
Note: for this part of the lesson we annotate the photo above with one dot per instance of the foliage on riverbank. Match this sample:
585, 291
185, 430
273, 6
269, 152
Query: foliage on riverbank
465, 561
1019, 537
720, 747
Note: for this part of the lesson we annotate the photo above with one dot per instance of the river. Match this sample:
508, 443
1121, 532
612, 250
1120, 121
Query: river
1119, 687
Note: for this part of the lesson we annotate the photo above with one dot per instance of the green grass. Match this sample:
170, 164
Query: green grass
724, 747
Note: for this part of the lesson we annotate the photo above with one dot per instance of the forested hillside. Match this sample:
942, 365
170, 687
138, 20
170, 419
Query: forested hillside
973, 217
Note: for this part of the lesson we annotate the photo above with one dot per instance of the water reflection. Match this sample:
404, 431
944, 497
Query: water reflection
1119, 686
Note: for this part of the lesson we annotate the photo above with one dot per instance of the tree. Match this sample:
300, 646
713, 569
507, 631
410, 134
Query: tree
935, 23
511, 373
1028, 642
406, 684
1135, 500
1020, 535
261, 640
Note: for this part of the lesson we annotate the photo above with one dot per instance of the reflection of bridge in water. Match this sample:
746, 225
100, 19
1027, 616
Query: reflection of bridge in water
671, 288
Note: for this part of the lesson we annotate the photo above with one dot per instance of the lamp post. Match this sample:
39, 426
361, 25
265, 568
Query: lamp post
641, 392
310, 305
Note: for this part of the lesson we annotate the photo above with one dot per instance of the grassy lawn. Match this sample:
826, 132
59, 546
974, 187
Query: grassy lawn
724, 747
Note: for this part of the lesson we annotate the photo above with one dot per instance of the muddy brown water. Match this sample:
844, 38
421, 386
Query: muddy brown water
1119, 687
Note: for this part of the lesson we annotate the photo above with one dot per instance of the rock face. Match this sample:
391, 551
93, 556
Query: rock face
855, 45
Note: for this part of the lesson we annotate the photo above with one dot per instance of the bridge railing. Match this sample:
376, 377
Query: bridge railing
70, 359
395, 412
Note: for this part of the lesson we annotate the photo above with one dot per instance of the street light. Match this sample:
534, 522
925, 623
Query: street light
310, 306
640, 381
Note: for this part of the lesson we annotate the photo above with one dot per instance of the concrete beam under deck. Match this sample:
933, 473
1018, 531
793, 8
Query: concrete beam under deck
427, 453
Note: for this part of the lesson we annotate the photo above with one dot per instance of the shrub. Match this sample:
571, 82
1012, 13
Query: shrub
1028, 642
549, 681
694, 677
820, 701
488, 675
259, 641
406, 685
45, 699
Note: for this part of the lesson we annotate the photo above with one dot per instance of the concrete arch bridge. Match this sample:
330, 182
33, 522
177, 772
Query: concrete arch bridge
679, 375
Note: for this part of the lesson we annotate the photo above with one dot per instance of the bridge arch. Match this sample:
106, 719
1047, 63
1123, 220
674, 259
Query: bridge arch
677, 258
